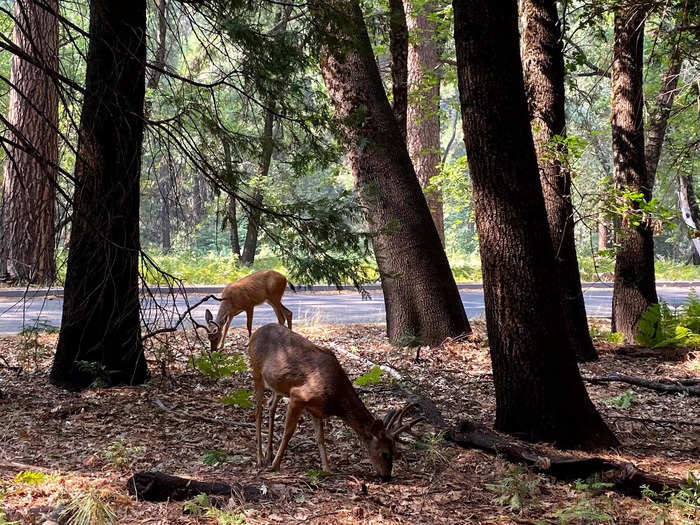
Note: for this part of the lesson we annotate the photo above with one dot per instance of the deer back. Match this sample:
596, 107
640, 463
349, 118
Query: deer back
254, 289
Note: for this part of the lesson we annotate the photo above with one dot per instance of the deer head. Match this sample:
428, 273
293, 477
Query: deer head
213, 330
385, 434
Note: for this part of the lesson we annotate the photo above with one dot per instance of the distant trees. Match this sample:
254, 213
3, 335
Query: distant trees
420, 294
27, 240
635, 283
543, 63
100, 337
539, 392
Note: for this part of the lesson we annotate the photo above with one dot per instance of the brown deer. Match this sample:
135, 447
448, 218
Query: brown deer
241, 296
312, 378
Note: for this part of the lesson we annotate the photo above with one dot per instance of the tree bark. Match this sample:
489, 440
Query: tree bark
603, 242
690, 212
420, 293
398, 45
164, 184
27, 240
233, 223
100, 336
423, 112
539, 392
635, 283
543, 63
267, 146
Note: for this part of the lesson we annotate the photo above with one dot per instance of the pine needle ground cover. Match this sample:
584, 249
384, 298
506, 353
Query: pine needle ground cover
70, 453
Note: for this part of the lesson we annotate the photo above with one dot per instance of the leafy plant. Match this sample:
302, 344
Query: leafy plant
515, 489
31, 477
372, 377
239, 398
593, 485
316, 476
684, 503
624, 400
432, 445
217, 365
200, 505
88, 508
120, 454
584, 510
214, 457
606, 335
661, 327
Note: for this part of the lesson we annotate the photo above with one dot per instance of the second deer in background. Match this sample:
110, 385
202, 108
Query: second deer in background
242, 296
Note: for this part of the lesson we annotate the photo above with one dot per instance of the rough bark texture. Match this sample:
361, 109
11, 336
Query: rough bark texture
423, 113
398, 45
27, 239
635, 284
267, 145
100, 334
539, 392
420, 293
158, 486
543, 63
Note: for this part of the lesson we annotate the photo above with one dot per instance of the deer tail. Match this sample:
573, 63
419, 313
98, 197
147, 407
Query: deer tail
292, 287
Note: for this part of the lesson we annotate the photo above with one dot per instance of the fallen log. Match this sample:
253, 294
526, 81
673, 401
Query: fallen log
690, 387
158, 486
663, 354
624, 476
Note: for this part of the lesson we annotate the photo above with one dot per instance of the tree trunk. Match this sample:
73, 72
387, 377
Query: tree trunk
635, 284
233, 223
100, 336
543, 62
198, 199
420, 294
398, 45
267, 145
690, 212
603, 242
423, 113
539, 392
29, 184
164, 184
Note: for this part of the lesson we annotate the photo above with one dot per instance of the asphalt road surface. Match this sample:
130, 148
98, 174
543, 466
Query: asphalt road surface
308, 308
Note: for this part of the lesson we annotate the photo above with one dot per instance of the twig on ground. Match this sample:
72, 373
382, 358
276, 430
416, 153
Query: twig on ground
668, 386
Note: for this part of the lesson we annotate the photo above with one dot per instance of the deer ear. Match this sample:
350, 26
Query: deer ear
208, 317
377, 426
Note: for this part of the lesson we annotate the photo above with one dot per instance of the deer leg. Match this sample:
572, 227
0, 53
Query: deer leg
320, 439
271, 425
249, 321
259, 400
288, 315
277, 307
290, 424
226, 324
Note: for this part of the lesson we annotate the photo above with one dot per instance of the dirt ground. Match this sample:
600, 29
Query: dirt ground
91, 442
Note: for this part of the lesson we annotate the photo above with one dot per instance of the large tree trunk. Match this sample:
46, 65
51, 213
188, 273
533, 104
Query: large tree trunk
635, 284
539, 392
100, 336
420, 293
543, 62
27, 239
267, 146
423, 114
398, 45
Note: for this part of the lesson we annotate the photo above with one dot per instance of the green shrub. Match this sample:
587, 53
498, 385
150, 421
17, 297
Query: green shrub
516, 489
31, 477
624, 400
584, 510
239, 398
88, 508
373, 377
661, 327
217, 365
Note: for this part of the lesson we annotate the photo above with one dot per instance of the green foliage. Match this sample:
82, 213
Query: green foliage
584, 510
239, 398
432, 446
120, 454
372, 377
99, 372
682, 504
88, 508
214, 457
599, 335
200, 505
516, 489
593, 485
316, 476
661, 327
31, 477
624, 400
217, 365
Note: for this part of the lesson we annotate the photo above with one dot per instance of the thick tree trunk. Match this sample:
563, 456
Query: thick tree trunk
539, 392
267, 146
423, 113
100, 336
635, 284
398, 45
420, 293
543, 62
27, 239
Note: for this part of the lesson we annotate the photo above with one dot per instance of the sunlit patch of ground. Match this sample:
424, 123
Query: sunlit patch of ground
90, 442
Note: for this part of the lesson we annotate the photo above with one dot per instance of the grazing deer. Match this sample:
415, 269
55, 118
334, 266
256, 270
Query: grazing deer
241, 296
312, 378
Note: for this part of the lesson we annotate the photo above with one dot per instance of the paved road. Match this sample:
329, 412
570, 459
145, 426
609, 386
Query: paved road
328, 308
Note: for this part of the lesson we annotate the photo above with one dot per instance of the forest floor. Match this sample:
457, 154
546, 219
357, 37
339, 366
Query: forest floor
56, 446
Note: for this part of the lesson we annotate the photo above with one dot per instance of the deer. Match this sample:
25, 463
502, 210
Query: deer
315, 383
241, 296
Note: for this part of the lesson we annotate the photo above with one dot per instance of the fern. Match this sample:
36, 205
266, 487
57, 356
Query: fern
373, 377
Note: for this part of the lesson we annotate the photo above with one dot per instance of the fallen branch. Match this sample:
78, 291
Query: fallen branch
624, 475
180, 319
158, 486
690, 387
386, 368
660, 422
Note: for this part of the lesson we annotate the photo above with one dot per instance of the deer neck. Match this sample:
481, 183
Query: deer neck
356, 415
